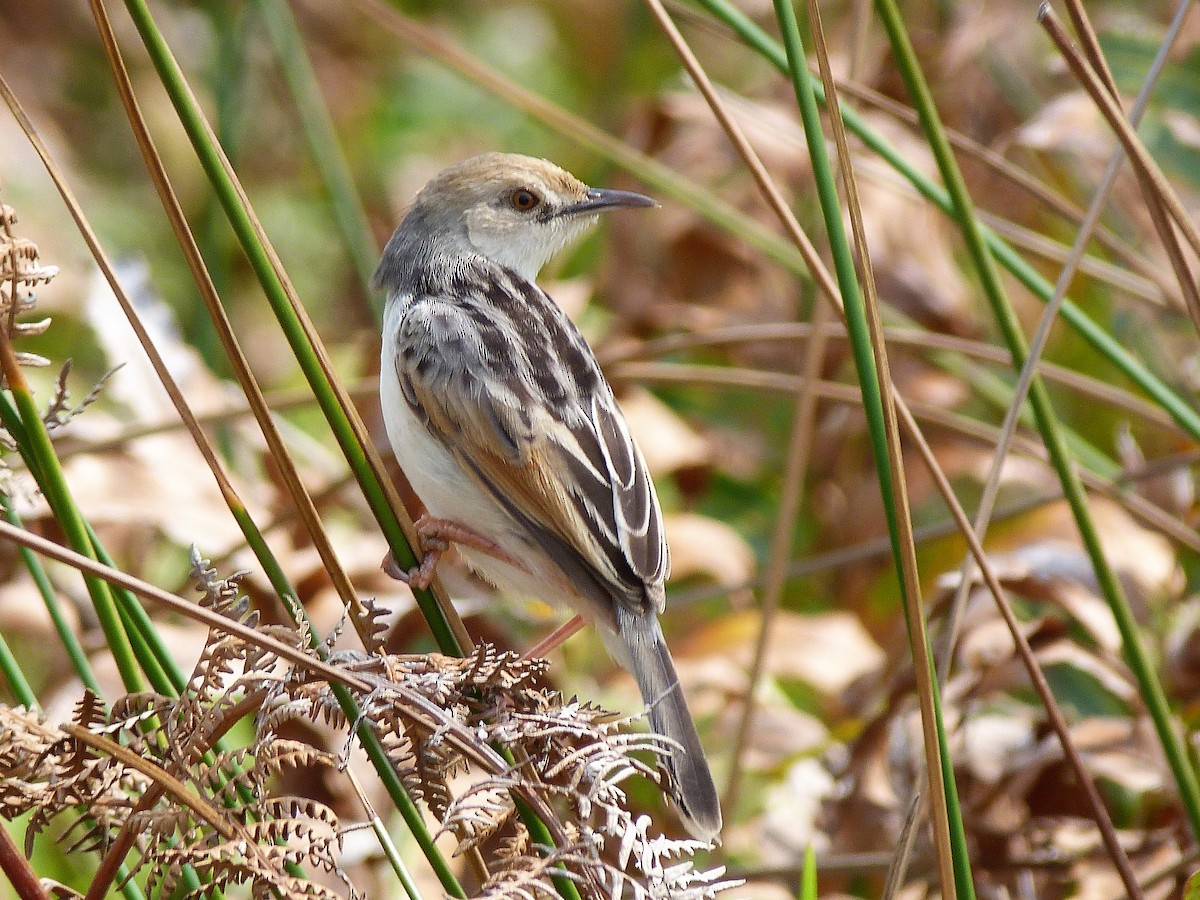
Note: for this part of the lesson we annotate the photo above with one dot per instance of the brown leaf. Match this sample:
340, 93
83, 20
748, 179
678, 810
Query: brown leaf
701, 546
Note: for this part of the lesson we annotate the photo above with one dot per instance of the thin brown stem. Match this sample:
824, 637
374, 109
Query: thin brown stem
1038, 344
1146, 512
904, 847
1111, 110
825, 282
1012, 173
1157, 290
1091, 45
805, 405
923, 668
912, 338
1155, 202
185, 608
21, 876
1058, 722
988, 158
1132, 274
277, 401
824, 279
879, 548
795, 471
247, 381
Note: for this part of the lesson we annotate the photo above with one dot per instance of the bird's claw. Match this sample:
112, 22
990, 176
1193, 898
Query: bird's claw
436, 537
420, 576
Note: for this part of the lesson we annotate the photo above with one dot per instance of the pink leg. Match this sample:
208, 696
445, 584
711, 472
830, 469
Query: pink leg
436, 537
554, 638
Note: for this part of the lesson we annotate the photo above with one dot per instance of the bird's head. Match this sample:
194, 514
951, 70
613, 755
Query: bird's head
515, 210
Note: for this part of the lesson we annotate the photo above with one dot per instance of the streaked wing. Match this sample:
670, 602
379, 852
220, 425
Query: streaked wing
538, 426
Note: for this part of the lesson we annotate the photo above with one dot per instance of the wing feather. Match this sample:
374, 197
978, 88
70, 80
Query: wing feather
565, 468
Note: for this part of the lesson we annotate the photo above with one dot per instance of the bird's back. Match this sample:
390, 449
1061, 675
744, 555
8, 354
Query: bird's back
498, 373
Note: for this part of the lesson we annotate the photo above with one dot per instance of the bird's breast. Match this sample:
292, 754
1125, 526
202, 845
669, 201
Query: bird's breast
441, 482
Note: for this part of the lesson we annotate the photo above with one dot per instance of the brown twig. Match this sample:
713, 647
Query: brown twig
879, 548
1012, 173
1111, 110
277, 401
923, 668
782, 536
1099, 812
1091, 45
985, 156
905, 842
799, 448
1057, 721
779, 205
21, 876
913, 338
675, 373
1156, 204
1041, 336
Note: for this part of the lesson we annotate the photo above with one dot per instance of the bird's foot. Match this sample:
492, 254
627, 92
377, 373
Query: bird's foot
436, 537
420, 576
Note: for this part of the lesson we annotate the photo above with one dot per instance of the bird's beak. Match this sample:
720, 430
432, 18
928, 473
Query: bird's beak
600, 200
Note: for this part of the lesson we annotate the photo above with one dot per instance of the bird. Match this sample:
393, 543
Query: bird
510, 435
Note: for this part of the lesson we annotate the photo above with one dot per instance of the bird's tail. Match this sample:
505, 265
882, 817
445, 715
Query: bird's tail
643, 650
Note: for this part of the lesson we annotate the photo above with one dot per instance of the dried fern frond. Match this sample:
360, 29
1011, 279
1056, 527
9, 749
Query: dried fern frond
146, 776
60, 411
574, 755
370, 623
25, 742
21, 271
656, 873
119, 775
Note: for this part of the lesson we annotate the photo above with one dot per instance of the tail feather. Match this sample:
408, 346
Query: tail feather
644, 653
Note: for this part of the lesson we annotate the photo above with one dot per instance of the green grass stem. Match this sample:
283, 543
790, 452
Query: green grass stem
977, 246
947, 815
1185, 415
263, 264
348, 214
75, 652
20, 416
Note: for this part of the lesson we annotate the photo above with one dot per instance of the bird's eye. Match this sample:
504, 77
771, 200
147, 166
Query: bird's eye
524, 200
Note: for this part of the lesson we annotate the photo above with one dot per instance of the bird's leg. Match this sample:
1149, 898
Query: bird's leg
554, 638
436, 537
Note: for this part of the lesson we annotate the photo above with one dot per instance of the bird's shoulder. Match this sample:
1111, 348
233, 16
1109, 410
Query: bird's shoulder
482, 318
